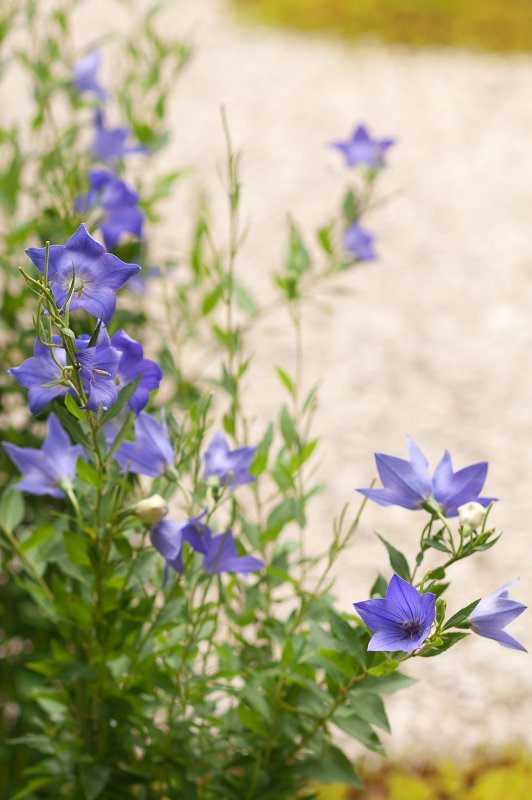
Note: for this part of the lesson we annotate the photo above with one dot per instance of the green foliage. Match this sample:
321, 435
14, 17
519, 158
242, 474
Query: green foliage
486, 24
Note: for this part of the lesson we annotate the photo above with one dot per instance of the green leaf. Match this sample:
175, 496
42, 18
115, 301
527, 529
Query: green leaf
94, 778
123, 397
72, 426
445, 642
88, 474
338, 660
39, 536
74, 409
286, 380
461, 615
347, 720
77, 547
398, 562
11, 508
288, 429
387, 684
370, 707
331, 767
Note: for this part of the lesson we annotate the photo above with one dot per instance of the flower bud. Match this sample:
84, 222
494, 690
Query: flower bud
471, 514
152, 509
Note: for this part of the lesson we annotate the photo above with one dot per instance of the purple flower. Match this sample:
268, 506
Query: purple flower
408, 483
97, 275
168, 536
41, 375
119, 203
84, 74
151, 453
400, 621
46, 469
359, 242
110, 143
221, 556
98, 368
362, 149
230, 466
493, 613
132, 364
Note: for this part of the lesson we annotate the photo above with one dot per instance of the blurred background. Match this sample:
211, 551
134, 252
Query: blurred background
433, 339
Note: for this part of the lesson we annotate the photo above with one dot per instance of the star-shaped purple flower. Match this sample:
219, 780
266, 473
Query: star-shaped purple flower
362, 149
494, 613
97, 275
111, 143
359, 242
229, 466
132, 364
400, 621
168, 536
408, 483
85, 74
119, 203
45, 470
98, 369
151, 453
41, 375
221, 556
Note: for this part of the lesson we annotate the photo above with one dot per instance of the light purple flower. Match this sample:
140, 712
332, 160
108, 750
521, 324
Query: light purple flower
97, 275
98, 369
85, 74
41, 375
230, 466
111, 143
408, 483
119, 203
400, 621
132, 364
46, 469
494, 613
359, 242
151, 453
221, 556
168, 536
362, 149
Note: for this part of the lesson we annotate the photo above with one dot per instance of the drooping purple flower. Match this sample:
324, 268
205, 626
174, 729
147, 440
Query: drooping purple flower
97, 275
151, 453
362, 149
168, 536
230, 466
400, 621
359, 242
494, 613
85, 74
98, 369
119, 203
111, 143
221, 556
132, 364
41, 375
408, 483
45, 470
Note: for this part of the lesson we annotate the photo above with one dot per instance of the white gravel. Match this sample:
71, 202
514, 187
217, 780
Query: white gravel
434, 339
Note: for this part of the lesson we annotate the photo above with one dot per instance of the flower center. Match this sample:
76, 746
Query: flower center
412, 627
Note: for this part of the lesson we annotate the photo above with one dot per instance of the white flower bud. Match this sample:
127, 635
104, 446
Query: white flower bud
471, 514
152, 509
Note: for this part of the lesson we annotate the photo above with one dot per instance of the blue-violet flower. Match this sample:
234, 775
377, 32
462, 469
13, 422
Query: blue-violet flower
85, 74
229, 466
408, 483
359, 242
44, 471
400, 621
97, 275
493, 613
362, 149
151, 453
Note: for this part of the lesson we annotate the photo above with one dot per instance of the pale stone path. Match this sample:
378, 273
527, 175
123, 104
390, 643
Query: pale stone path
434, 339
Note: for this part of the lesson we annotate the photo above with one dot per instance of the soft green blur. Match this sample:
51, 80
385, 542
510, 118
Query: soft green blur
486, 24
